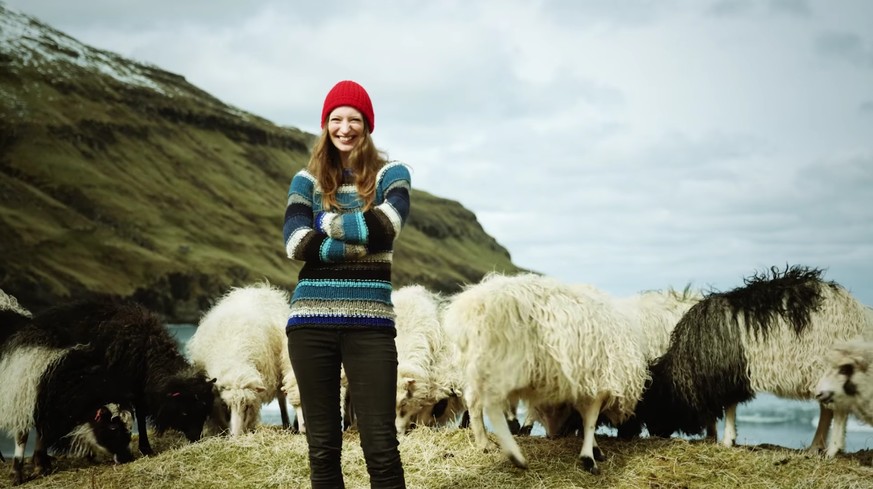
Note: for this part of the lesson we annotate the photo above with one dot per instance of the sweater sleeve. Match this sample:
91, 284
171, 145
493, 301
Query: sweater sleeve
378, 227
302, 242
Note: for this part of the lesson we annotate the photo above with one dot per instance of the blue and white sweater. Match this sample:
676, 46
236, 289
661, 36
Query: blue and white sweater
346, 280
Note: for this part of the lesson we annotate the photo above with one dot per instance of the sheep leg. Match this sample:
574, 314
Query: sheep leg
18, 458
283, 408
347, 410
301, 421
497, 415
144, 446
630, 429
511, 413
590, 451
42, 463
477, 424
730, 426
712, 431
529, 420
820, 439
465, 420
838, 437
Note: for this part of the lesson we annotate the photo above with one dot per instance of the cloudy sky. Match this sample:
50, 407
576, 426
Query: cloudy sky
628, 144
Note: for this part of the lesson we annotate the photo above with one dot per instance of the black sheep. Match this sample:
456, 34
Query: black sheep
65, 394
166, 389
770, 335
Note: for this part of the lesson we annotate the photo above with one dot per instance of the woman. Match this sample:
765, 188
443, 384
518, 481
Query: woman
343, 213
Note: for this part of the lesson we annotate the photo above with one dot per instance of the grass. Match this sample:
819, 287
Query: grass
272, 457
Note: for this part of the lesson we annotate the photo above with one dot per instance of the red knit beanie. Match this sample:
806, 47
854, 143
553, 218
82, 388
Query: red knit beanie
349, 93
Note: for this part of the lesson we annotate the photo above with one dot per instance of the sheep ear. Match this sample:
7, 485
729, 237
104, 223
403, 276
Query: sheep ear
256, 386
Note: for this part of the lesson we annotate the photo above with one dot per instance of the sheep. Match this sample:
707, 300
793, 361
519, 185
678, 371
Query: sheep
847, 384
241, 343
769, 335
428, 384
65, 394
143, 358
529, 337
419, 338
655, 313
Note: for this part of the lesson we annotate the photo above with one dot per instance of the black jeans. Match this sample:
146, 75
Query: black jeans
370, 360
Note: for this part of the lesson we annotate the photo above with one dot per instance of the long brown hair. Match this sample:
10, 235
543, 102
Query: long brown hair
365, 161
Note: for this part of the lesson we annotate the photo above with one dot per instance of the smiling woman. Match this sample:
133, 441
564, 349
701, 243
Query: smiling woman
343, 213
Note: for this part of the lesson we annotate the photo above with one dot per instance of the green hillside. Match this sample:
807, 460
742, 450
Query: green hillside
124, 179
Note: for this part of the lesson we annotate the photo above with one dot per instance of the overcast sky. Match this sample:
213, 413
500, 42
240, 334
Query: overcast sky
628, 144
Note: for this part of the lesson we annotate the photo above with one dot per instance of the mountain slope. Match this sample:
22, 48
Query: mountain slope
120, 178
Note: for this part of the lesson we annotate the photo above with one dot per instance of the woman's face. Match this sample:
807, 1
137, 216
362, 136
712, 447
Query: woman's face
346, 127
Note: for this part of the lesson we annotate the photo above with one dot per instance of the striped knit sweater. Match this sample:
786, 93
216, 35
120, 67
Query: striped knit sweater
346, 280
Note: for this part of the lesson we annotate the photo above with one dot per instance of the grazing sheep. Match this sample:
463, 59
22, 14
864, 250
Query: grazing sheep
655, 313
420, 337
769, 335
241, 343
847, 384
428, 382
66, 394
531, 338
143, 358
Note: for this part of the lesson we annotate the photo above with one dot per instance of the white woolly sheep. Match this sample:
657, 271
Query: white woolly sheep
847, 384
655, 314
770, 335
241, 342
420, 342
528, 337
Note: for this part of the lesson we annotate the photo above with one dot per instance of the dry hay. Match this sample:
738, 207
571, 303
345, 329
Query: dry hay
435, 459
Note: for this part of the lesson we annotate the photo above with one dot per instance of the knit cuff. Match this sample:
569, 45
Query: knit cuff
326, 222
334, 250
350, 227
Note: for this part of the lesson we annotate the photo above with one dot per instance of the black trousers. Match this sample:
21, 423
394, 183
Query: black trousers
370, 361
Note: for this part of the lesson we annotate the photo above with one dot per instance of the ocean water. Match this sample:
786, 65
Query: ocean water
766, 419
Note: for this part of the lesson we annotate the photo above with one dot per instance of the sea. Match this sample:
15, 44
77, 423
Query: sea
766, 419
